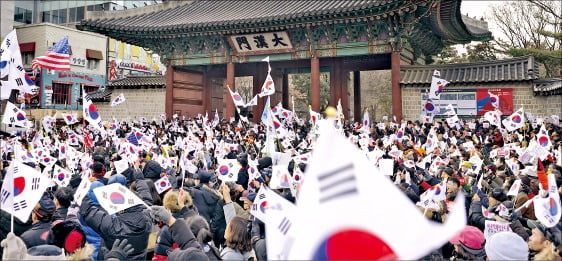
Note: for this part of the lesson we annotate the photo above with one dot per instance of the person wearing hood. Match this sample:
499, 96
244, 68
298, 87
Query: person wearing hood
544, 242
202, 233
151, 169
42, 216
475, 216
131, 224
206, 200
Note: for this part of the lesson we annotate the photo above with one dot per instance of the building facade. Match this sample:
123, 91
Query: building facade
61, 89
213, 42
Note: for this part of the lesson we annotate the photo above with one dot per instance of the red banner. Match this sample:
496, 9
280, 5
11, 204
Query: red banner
484, 100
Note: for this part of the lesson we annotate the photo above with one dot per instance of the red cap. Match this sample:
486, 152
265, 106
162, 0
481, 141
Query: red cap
470, 237
74, 241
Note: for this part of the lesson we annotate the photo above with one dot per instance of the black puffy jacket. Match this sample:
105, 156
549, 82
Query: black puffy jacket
132, 224
205, 200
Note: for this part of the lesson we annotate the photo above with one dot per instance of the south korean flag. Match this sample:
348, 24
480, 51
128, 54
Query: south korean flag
163, 184
22, 188
61, 176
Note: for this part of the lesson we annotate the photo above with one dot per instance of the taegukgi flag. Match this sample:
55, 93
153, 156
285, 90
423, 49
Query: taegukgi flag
115, 197
341, 180
22, 188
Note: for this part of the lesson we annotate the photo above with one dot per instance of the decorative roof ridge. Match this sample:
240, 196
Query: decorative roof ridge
519, 59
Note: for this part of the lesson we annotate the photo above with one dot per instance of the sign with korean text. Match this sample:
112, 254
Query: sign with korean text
261, 43
78, 61
492, 227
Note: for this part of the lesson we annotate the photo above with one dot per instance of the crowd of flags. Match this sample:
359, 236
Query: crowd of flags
341, 179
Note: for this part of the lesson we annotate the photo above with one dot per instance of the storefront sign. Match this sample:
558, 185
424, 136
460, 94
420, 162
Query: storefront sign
262, 43
48, 95
133, 66
78, 61
74, 75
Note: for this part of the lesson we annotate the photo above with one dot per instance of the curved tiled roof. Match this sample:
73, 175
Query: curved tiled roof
232, 16
157, 81
517, 69
203, 13
548, 86
100, 94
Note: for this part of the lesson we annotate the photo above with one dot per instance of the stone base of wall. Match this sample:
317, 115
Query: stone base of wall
523, 97
149, 103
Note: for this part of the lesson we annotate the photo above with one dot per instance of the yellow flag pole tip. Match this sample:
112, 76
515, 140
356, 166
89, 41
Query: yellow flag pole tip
310, 106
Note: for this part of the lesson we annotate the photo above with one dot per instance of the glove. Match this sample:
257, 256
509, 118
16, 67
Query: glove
160, 214
120, 250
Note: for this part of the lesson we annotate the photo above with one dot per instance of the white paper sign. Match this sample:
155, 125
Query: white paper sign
492, 227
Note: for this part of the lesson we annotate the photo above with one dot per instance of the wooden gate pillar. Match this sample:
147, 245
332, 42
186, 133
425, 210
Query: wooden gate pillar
230, 81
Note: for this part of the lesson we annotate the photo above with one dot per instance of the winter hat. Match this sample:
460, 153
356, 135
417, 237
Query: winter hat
264, 163
499, 194
117, 178
200, 228
551, 234
206, 177
45, 252
506, 245
45, 208
67, 235
191, 253
471, 239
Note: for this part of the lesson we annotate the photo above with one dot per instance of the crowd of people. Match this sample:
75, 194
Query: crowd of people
201, 217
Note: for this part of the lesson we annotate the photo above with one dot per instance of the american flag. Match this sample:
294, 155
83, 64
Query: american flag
57, 58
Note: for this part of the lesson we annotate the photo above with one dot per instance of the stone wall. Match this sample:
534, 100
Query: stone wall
523, 96
149, 103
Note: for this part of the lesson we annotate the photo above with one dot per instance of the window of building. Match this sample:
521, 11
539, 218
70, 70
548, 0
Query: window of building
61, 93
55, 17
79, 13
90, 88
27, 57
62, 16
46, 18
23, 15
72, 17
93, 64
